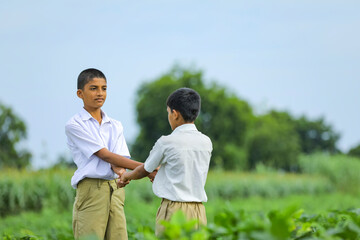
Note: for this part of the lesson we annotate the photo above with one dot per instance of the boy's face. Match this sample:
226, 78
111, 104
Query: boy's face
93, 94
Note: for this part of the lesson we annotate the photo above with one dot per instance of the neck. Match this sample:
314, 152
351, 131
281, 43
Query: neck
95, 113
182, 123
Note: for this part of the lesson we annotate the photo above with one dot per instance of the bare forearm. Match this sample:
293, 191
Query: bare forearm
118, 170
138, 173
117, 160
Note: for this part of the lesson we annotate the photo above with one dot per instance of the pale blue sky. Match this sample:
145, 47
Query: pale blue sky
300, 56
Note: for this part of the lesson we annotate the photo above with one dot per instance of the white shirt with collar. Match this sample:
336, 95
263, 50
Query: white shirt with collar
85, 136
184, 157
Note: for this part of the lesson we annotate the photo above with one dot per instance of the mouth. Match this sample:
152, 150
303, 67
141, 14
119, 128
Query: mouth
99, 99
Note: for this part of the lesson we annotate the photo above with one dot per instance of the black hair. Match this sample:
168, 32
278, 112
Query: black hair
187, 101
88, 75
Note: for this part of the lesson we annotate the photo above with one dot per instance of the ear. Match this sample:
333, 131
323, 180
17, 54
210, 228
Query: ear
176, 114
79, 93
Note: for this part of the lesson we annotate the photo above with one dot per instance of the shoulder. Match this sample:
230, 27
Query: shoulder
168, 141
75, 124
117, 124
162, 142
164, 139
72, 122
206, 139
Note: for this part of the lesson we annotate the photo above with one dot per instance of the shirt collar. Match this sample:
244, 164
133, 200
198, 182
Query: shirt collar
85, 115
105, 117
186, 127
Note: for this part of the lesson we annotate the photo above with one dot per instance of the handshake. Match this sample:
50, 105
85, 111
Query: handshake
138, 173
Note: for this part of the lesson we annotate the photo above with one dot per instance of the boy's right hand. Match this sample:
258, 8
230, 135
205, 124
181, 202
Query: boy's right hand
123, 180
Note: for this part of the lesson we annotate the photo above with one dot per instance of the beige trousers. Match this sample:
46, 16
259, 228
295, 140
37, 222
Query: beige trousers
99, 210
192, 210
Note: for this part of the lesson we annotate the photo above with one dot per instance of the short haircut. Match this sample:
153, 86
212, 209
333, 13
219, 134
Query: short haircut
187, 101
88, 75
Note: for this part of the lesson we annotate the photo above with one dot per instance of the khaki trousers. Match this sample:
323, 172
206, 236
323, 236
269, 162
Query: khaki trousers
192, 210
99, 210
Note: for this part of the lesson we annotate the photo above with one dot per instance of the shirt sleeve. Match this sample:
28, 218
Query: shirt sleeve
85, 142
121, 147
155, 157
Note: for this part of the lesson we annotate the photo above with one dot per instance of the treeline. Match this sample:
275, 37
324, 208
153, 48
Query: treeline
241, 139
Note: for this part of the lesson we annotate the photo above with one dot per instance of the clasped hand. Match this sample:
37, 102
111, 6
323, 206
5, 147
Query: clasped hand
125, 177
119, 171
123, 180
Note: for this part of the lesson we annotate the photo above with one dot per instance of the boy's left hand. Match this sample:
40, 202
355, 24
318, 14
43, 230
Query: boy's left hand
152, 175
118, 170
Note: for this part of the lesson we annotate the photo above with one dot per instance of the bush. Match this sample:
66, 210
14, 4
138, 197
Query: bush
232, 185
290, 223
49, 224
355, 151
274, 144
286, 224
23, 190
141, 207
341, 170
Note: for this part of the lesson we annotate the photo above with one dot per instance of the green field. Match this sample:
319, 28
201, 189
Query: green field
260, 203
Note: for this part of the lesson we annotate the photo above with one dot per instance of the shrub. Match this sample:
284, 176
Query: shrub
274, 144
355, 151
23, 190
232, 185
290, 223
343, 171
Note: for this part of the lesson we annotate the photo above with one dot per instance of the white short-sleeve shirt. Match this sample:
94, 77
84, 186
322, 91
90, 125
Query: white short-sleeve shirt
85, 136
184, 157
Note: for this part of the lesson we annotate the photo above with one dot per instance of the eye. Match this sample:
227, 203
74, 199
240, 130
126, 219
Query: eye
104, 88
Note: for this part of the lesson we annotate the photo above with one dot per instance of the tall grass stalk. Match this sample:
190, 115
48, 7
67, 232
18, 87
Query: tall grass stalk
343, 171
24, 190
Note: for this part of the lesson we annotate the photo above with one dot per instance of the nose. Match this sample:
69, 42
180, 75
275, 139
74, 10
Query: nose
100, 92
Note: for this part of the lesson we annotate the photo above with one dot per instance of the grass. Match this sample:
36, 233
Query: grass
141, 213
231, 185
24, 191
342, 171
312, 204
31, 200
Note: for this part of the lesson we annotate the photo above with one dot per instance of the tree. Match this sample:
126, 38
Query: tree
224, 117
314, 135
355, 151
12, 131
274, 143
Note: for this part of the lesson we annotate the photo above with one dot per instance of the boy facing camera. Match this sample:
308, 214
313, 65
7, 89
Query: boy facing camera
99, 149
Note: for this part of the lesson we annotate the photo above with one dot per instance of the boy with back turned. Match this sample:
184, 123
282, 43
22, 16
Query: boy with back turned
183, 158
99, 150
